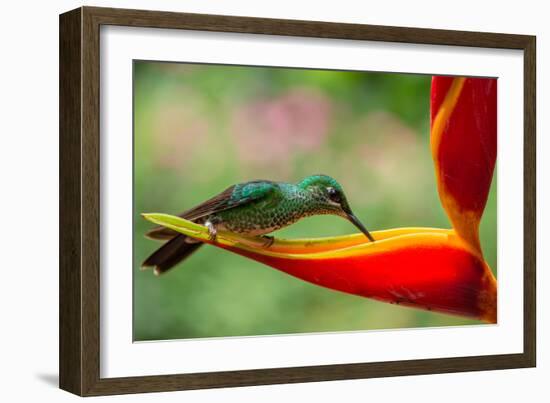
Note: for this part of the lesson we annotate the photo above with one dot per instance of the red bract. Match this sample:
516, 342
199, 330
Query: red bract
464, 147
433, 271
428, 268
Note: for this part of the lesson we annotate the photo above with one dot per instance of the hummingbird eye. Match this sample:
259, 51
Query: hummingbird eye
334, 195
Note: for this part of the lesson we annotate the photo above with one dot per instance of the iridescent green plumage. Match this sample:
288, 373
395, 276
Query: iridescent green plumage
254, 208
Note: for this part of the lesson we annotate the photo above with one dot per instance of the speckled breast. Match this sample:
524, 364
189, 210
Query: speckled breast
263, 218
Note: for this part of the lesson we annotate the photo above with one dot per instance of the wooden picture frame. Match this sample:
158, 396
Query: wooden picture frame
80, 200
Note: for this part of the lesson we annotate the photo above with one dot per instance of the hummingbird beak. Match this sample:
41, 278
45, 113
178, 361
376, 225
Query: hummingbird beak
355, 221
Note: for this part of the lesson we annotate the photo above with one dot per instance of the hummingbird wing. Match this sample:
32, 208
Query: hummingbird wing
234, 196
179, 247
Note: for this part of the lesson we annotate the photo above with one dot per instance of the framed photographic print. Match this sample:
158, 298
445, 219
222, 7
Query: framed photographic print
251, 201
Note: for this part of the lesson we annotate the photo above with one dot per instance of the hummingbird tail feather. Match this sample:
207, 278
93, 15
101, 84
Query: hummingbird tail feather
161, 234
170, 254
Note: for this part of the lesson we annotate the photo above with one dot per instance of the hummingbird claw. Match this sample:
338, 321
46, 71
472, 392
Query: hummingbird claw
212, 232
268, 241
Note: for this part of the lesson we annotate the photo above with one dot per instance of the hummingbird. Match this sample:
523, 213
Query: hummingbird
254, 208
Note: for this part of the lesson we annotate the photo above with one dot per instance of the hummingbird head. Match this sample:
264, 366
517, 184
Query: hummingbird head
330, 197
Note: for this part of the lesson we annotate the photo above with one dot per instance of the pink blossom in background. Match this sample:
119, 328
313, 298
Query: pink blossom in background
273, 130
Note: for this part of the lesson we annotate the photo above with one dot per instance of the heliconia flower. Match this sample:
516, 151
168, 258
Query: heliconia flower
464, 148
428, 268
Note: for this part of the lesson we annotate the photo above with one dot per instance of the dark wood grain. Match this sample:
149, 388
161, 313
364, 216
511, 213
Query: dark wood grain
315, 29
529, 203
80, 200
90, 202
107, 386
70, 251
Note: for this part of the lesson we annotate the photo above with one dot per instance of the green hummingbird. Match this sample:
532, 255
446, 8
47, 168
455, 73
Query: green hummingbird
253, 208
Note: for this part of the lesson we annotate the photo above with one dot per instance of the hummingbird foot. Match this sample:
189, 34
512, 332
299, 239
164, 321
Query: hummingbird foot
268, 240
212, 231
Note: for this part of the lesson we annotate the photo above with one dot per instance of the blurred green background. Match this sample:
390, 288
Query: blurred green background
200, 128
